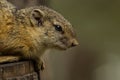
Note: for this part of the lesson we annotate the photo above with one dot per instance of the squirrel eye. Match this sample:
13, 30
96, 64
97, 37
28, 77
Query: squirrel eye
58, 28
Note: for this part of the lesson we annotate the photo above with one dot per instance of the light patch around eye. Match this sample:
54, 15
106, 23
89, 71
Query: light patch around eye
58, 26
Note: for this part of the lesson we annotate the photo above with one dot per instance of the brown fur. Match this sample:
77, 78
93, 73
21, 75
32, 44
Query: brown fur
22, 36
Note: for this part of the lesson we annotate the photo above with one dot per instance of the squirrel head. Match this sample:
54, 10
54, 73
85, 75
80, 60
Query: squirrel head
52, 28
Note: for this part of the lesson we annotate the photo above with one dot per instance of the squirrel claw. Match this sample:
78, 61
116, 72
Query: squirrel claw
42, 66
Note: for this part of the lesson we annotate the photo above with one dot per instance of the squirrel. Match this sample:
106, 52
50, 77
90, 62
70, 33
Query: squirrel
27, 33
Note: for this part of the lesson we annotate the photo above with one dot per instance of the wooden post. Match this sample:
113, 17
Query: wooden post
23, 70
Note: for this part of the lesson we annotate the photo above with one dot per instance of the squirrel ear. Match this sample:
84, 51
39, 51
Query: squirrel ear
37, 16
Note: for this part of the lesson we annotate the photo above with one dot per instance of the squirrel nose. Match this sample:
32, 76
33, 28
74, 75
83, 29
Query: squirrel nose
74, 43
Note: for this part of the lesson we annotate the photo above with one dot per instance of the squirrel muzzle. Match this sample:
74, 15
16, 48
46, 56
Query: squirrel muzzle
74, 43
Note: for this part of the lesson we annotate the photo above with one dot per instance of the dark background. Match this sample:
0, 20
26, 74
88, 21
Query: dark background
97, 24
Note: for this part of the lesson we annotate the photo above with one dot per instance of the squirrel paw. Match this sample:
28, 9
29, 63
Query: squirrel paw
39, 65
42, 66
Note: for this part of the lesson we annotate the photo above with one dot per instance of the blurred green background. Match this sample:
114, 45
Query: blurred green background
95, 21
97, 24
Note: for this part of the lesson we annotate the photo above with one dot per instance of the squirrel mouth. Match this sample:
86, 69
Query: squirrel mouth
61, 46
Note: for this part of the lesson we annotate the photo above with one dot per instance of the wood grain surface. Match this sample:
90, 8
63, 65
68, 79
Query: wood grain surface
23, 70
